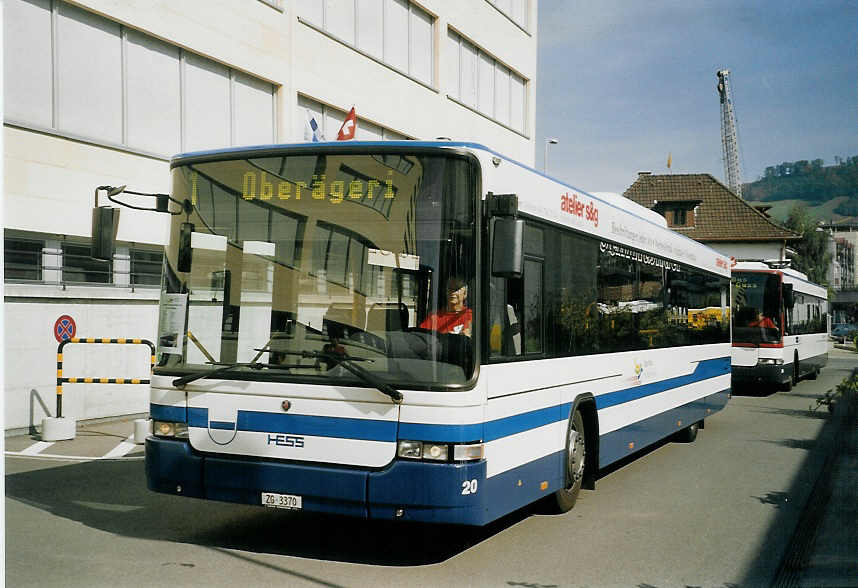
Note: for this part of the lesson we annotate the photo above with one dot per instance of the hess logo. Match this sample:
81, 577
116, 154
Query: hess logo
281, 440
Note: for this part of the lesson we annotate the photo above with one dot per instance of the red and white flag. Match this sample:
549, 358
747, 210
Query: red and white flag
347, 131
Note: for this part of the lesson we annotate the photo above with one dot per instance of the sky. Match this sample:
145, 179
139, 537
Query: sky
622, 84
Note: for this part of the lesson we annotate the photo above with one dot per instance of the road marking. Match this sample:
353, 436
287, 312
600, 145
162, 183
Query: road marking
123, 448
36, 448
52, 456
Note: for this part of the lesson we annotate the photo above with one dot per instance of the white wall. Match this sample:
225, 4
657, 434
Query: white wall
51, 174
31, 353
50, 181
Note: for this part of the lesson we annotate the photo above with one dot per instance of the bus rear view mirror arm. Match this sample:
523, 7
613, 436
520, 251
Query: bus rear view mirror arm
105, 219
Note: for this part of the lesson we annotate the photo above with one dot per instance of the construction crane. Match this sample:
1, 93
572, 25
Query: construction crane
729, 137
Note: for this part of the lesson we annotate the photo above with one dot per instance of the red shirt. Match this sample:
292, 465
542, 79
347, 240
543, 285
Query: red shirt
764, 322
449, 322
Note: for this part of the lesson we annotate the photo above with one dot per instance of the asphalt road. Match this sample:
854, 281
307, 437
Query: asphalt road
718, 512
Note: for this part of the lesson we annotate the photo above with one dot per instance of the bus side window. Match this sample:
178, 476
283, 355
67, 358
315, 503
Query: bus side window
532, 287
504, 318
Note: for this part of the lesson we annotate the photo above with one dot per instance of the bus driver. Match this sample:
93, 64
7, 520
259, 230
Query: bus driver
456, 316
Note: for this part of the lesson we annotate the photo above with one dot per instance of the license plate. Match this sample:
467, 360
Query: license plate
289, 501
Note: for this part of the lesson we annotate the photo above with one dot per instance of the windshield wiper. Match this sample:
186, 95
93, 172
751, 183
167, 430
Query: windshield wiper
180, 382
349, 363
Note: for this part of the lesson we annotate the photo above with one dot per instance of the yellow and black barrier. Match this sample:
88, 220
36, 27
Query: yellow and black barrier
61, 379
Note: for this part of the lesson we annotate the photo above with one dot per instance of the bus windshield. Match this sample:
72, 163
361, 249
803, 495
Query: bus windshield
756, 308
322, 267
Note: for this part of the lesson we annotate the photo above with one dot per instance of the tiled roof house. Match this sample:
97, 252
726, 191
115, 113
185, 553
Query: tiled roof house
704, 209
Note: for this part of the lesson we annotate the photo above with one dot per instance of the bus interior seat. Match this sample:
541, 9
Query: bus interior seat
345, 315
385, 317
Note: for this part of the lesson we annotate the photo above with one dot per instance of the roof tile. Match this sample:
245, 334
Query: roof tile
720, 216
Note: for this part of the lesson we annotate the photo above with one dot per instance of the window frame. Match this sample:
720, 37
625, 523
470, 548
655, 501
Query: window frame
322, 27
461, 43
55, 127
37, 268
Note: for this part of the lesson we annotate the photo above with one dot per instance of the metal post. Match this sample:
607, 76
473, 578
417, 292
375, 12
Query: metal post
545, 160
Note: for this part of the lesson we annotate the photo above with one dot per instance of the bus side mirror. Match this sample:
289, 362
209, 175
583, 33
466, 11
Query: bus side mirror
508, 247
789, 298
105, 222
183, 263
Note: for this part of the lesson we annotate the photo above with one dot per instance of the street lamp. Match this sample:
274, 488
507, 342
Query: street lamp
545, 161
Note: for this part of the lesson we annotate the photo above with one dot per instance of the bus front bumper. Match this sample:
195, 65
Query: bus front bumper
404, 490
761, 374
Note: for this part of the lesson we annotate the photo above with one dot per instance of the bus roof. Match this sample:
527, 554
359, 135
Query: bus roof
611, 199
791, 276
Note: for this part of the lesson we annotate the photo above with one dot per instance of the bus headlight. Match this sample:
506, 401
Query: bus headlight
770, 361
440, 451
170, 429
410, 449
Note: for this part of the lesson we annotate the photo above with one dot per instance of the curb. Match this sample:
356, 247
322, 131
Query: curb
801, 547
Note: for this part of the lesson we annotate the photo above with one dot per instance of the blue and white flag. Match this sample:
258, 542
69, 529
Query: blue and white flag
312, 132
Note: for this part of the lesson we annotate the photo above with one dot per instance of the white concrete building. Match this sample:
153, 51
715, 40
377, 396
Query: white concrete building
103, 92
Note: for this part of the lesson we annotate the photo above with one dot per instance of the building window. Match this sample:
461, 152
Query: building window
22, 259
478, 80
80, 267
515, 10
122, 87
678, 214
395, 32
146, 267
330, 120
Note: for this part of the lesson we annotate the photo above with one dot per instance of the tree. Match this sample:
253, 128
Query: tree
813, 256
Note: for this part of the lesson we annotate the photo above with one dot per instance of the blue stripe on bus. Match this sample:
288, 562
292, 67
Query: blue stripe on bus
294, 424
198, 417
706, 369
319, 426
441, 433
162, 412
496, 429
377, 430
525, 421
222, 425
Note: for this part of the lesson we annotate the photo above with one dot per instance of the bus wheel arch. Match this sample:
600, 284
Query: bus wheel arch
580, 456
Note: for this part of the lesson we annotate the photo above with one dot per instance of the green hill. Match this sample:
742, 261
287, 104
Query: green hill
829, 192
824, 211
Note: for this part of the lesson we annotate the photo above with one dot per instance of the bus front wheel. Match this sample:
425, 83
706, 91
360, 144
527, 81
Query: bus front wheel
576, 454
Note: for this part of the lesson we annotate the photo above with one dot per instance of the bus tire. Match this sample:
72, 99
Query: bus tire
574, 466
688, 434
814, 373
796, 370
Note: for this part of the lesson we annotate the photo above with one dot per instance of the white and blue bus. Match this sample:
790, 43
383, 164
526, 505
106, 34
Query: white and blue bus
780, 325
423, 331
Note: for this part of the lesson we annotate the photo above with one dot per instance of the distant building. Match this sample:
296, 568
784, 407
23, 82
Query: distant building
845, 239
704, 209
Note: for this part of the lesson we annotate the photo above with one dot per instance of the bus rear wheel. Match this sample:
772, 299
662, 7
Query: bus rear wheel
688, 434
576, 455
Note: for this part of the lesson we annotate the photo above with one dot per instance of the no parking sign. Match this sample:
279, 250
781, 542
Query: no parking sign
64, 328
